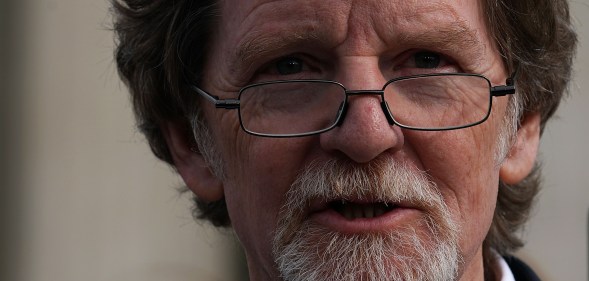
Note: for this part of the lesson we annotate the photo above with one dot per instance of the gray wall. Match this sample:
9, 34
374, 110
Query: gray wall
85, 199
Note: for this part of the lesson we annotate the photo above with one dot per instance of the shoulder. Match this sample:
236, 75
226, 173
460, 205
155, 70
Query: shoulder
520, 270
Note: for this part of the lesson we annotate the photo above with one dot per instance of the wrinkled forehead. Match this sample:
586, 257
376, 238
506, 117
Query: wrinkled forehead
387, 9
337, 16
252, 27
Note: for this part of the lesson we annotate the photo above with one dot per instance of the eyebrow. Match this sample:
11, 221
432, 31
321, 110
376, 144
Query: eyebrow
262, 44
454, 37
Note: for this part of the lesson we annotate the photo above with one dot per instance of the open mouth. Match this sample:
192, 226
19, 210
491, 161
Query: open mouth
363, 215
353, 210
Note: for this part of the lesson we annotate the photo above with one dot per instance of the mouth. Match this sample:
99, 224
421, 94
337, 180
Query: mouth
352, 210
361, 216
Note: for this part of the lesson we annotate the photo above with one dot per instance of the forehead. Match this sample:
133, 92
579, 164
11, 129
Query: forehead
335, 11
251, 29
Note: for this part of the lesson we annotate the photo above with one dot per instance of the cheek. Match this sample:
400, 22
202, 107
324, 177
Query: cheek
256, 187
462, 165
254, 192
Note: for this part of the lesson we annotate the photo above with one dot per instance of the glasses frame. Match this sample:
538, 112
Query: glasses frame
494, 91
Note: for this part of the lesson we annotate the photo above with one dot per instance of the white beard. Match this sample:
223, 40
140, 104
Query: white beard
306, 251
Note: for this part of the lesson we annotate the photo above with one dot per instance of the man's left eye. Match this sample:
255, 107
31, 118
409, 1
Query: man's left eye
427, 60
289, 66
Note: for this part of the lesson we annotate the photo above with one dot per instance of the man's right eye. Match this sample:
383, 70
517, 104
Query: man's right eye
291, 67
288, 66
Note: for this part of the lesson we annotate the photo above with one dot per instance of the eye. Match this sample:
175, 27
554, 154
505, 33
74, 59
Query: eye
424, 62
289, 65
427, 60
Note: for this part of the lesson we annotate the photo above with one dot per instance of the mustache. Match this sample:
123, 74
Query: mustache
381, 180
304, 250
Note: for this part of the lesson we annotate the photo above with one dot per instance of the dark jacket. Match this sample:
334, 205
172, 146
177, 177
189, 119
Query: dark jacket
521, 271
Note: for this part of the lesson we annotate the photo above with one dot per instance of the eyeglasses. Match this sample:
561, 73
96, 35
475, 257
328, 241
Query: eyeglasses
428, 102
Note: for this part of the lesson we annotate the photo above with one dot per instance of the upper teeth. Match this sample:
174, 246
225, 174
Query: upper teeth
355, 211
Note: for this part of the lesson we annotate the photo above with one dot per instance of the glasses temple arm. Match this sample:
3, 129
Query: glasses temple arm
508, 88
219, 103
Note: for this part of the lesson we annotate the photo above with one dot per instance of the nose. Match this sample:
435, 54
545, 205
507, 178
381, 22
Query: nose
365, 132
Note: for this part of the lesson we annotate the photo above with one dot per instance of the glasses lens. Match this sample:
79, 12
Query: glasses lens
439, 102
290, 108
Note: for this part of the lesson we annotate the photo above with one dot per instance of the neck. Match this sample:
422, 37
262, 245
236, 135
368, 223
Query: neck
475, 269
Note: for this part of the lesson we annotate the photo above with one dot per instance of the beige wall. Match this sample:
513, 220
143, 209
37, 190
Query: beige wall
94, 204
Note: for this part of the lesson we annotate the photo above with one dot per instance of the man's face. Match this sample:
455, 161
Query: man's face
417, 190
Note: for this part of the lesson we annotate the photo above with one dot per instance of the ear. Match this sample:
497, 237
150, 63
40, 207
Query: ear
522, 155
190, 163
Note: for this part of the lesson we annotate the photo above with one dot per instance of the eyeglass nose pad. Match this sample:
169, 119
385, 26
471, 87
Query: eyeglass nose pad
387, 112
341, 112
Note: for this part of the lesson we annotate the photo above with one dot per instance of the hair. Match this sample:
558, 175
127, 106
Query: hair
535, 37
162, 46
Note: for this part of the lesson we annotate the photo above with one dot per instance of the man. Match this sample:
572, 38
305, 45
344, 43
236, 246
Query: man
353, 140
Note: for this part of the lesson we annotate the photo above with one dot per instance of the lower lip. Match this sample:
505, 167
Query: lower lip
396, 218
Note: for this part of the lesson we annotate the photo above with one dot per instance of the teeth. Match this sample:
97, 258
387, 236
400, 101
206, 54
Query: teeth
369, 211
358, 213
379, 210
353, 211
347, 212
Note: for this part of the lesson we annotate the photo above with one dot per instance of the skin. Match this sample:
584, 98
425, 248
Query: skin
360, 44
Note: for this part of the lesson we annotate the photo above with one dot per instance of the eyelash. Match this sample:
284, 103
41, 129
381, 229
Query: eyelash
403, 65
311, 68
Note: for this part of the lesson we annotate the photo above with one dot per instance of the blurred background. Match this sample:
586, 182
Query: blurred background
84, 199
